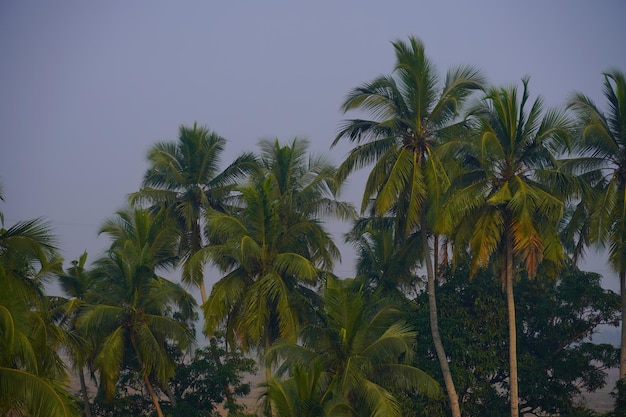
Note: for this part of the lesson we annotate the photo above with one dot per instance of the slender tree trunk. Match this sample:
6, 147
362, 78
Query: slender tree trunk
228, 390
512, 326
83, 390
197, 245
153, 396
269, 408
622, 352
202, 290
146, 380
436, 256
434, 328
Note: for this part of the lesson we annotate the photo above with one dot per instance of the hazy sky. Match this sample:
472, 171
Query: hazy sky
87, 87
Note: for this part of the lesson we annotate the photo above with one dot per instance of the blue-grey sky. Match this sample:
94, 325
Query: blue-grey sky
87, 87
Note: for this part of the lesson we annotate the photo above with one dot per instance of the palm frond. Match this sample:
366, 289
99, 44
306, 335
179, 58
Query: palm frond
24, 391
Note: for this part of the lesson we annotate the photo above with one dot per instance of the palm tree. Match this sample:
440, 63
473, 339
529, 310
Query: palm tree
131, 322
184, 176
385, 264
272, 248
412, 117
305, 184
602, 149
33, 378
506, 212
362, 353
303, 394
76, 283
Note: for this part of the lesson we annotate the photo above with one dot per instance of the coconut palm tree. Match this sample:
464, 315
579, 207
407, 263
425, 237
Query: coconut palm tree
385, 265
602, 163
76, 283
306, 184
33, 379
266, 263
272, 248
131, 322
362, 352
505, 211
412, 116
303, 394
185, 177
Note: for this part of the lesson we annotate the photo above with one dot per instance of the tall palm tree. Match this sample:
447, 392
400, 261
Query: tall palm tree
361, 351
506, 212
131, 323
185, 177
272, 248
76, 283
33, 379
602, 159
412, 116
306, 184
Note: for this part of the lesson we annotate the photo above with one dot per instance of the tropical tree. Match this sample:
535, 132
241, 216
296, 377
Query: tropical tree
76, 283
305, 183
272, 248
303, 394
199, 386
33, 379
385, 264
506, 211
185, 177
132, 322
602, 163
559, 357
412, 116
353, 357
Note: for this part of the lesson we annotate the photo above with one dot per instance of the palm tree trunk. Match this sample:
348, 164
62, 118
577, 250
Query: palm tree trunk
436, 256
196, 246
146, 380
512, 326
228, 390
83, 390
153, 396
622, 352
269, 408
434, 328
202, 291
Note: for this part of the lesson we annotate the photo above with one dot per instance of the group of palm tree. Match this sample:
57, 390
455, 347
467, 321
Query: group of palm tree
503, 182
459, 171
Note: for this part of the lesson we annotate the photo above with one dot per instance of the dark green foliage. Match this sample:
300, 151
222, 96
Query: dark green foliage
556, 319
620, 399
32, 374
350, 361
214, 376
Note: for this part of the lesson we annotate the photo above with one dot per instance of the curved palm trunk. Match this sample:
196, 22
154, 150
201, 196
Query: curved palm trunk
268, 406
153, 396
512, 325
622, 352
83, 390
434, 328
146, 380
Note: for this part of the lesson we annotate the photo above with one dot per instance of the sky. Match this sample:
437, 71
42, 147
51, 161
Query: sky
87, 87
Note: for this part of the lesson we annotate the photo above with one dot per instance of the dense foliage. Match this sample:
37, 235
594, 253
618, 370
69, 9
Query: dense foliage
208, 378
494, 203
556, 321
